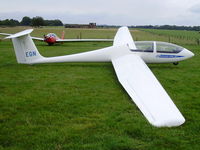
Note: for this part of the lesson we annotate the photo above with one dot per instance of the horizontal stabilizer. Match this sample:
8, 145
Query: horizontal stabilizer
5, 34
19, 34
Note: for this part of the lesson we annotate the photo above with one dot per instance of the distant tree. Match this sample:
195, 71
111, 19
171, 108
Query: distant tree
14, 22
168, 27
53, 22
37, 21
58, 22
196, 28
10, 22
26, 21
5, 22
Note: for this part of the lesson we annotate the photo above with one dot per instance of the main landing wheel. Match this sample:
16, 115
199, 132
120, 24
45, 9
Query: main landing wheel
175, 63
50, 44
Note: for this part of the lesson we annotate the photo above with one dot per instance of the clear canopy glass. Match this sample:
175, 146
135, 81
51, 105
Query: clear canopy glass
163, 47
160, 47
51, 35
144, 46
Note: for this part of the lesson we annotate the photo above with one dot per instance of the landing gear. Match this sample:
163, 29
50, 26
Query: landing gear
175, 63
50, 44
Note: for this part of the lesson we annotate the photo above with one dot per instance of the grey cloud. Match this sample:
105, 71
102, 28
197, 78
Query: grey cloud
126, 12
195, 9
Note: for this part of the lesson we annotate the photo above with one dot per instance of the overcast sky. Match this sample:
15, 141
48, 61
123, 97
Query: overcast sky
112, 12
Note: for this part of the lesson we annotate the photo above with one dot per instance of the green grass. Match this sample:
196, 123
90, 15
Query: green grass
82, 106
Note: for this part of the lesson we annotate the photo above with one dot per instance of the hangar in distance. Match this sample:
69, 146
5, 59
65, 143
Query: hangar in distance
129, 61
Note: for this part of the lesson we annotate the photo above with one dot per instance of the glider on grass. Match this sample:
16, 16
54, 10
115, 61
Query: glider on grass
52, 38
129, 61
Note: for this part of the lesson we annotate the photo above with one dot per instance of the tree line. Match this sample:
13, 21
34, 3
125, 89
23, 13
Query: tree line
169, 27
39, 21
27, 21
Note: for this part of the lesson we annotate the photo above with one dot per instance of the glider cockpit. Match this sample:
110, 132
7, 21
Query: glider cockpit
51, 35
161, 52
155, 46
144, 46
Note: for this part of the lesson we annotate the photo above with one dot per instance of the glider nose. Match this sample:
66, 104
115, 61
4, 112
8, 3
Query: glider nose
189, 53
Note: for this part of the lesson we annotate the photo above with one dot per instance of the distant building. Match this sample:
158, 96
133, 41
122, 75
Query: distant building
90, 25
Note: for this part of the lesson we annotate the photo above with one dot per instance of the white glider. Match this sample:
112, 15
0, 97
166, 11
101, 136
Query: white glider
129, 61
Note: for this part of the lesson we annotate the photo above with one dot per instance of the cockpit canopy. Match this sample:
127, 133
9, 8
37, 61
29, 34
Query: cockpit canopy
145, 46
52, 35
163, 47
159, 47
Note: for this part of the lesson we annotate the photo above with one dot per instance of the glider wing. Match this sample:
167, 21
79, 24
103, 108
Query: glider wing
37, 38
146, 91
83, 40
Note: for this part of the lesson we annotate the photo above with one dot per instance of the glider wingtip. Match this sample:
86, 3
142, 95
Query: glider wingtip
169, 123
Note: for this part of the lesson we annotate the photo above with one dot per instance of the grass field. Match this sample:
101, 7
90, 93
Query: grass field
82, 106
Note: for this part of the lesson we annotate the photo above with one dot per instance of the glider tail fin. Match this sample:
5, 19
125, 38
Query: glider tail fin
25, 49
123, 37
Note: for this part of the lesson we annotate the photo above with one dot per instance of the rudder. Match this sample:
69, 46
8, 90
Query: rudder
24, 47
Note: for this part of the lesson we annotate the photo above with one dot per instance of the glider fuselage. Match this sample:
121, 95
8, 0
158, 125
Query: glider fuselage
158, 52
